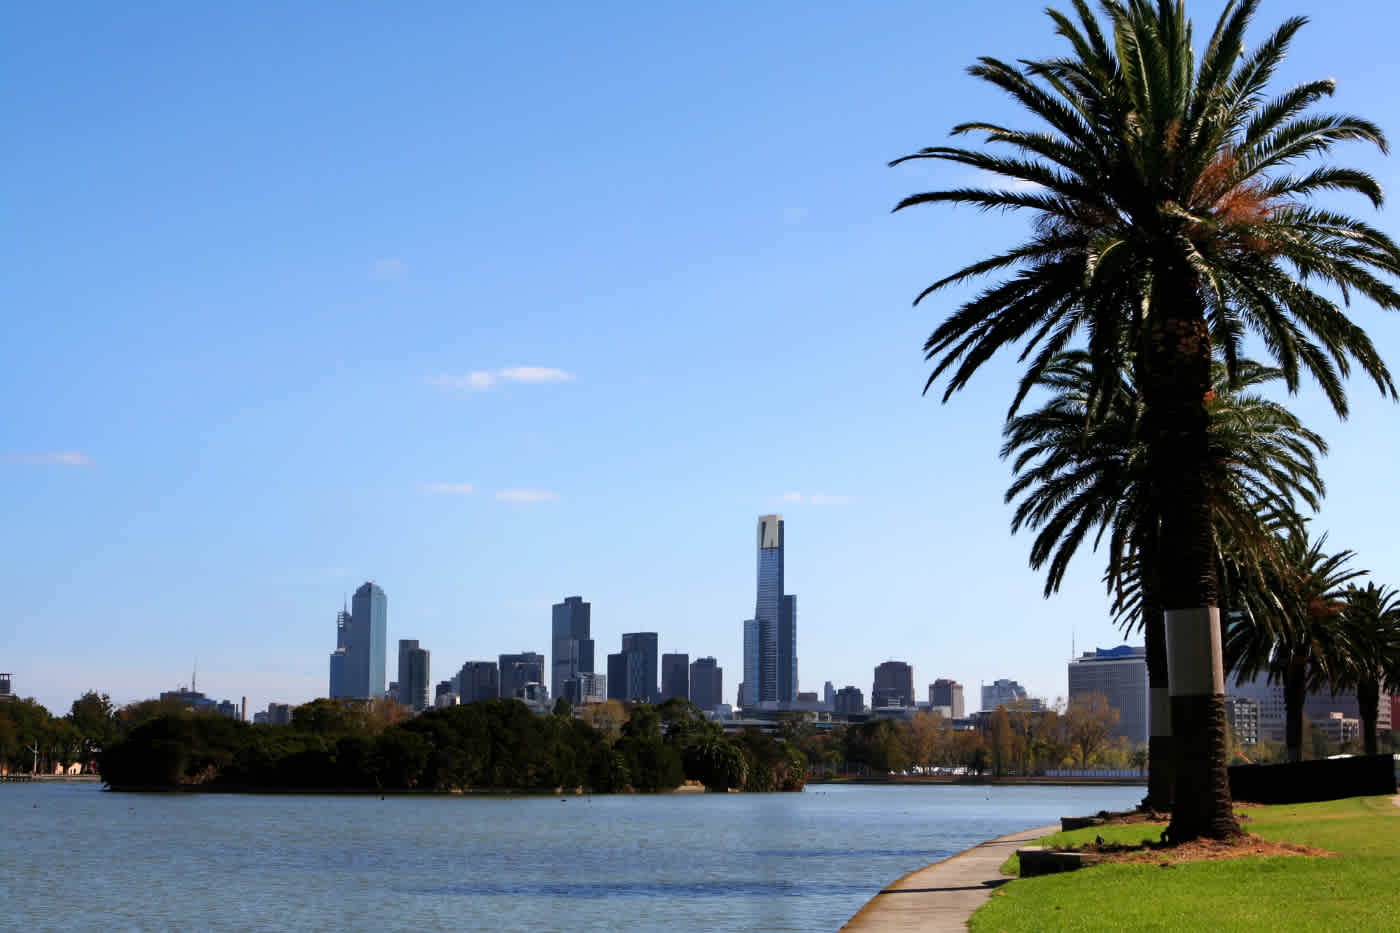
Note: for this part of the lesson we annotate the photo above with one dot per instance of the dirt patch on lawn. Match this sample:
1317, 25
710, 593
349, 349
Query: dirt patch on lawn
1200, 850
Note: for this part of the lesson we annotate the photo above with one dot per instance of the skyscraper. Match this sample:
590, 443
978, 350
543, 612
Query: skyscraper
1001, 692
413, 674
640, 649
748, 687
517, 670
617, 677
361, 635
706, 683
771, 648
893, 686
572, 642
675, 676
338, 685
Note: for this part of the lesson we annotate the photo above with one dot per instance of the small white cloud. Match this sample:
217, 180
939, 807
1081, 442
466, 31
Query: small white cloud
1003, 182
386, 270
817, 499
484, 378
527, 496
472, 382
535, 374
448, 489
57, 458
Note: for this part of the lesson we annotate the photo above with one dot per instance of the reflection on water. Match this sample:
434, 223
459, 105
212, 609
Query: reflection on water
74, 856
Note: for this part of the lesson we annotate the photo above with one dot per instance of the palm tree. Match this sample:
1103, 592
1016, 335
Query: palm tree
1078, 476
1168, 220
1286, 625
1369, 651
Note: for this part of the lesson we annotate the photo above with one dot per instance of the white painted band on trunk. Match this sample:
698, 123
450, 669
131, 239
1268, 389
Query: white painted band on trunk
1194, 665
1159, 711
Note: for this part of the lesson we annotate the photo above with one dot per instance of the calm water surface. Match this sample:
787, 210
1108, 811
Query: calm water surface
75, 857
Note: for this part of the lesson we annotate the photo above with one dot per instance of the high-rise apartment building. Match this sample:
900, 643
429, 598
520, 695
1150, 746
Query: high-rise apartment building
675, 676
893, 686
770, 638
947, 693
479, 680
1001, 693
517, 670
706, 683
572, 642
1120, 674
361, 638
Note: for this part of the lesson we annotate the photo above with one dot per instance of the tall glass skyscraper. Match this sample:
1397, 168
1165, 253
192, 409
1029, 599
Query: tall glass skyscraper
364, 656
413, 674
771, 646
571, 648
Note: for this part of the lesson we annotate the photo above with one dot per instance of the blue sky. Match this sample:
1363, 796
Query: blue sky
495, 306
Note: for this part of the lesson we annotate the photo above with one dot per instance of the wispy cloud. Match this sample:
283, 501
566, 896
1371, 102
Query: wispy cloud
57, 458
798, 498
1003, 182
527, 496
386, 270
448, 489
481, 379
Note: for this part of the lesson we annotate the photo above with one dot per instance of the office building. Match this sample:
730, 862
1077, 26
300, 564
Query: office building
5, 693
1317, 707
479, 680
706, 684
638, 668
517, 670
1242, 714
1001, 693
1120, 674
362, 636
770, 637
828, 695
675, 676
893, 686
444, 688
586, 688
571, 642
849, 702
947, 693
279, 714
748, 687
413, 682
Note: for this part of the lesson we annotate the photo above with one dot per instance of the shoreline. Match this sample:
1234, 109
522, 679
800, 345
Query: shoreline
943, 895
983, 782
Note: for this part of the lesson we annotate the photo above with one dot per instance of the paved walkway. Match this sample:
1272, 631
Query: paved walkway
941, 897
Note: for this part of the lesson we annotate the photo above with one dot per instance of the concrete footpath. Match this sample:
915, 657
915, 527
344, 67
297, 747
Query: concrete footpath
941, 897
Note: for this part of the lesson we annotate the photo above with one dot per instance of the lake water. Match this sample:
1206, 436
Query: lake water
75, 857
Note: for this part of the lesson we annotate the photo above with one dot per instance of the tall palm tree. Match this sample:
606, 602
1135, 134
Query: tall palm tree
1079, 476
1168, 219
1286, 625
1369, 655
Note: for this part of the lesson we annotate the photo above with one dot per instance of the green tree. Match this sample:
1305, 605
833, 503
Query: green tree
1368, 652
1169, 219
1285, 626
1082, 476
92, 715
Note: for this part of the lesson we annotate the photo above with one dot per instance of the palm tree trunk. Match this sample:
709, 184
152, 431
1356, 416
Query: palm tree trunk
1295, 693
1368, 698
1176, 393
1159, 742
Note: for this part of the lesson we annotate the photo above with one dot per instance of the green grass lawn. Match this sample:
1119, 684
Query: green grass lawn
1354, 891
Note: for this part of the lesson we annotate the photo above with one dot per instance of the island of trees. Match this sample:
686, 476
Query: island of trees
494, 745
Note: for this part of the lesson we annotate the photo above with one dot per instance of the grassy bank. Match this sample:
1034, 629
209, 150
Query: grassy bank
1353, 890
